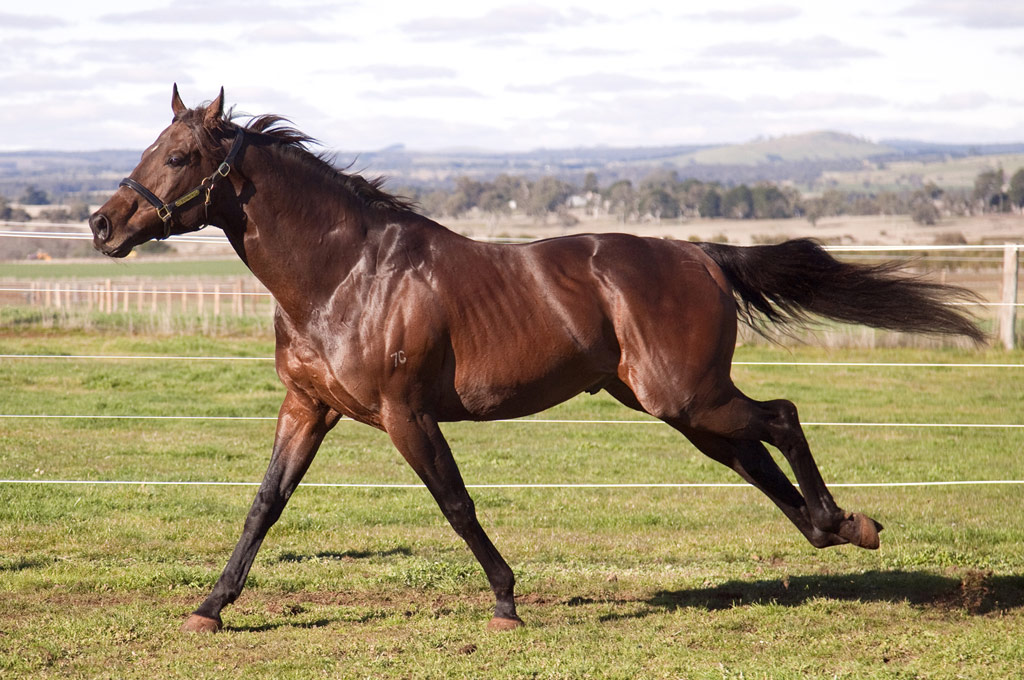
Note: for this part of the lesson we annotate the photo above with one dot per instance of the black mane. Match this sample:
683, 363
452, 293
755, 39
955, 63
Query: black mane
278, 129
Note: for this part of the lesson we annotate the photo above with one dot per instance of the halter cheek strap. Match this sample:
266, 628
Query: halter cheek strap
165, 211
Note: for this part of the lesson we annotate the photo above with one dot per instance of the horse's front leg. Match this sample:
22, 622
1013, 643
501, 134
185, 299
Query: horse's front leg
301, 426
419, 440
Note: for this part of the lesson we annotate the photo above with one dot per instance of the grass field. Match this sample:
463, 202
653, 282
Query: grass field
613, 582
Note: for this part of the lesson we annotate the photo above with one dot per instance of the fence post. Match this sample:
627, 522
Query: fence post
1008, 311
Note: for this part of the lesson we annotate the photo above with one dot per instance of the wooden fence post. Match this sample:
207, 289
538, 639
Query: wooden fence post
1008, 311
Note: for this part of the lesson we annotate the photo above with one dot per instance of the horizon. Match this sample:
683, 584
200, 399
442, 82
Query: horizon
405, 148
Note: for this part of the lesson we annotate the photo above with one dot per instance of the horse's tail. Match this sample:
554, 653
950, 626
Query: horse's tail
787, 283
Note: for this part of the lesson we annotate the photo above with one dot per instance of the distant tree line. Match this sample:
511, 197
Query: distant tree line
9, 211
662, 195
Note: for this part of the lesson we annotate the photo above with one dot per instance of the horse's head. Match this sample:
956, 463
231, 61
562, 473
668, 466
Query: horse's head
170, 190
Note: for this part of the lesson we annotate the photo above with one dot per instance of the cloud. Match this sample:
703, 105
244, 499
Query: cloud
993, 14
381, 131
815, 101
230, 13
30, 21
755, 15
589, 52
291, 32
812, 53
955, 101
593, 83
424, 91
397, 72
168, 52
501, 22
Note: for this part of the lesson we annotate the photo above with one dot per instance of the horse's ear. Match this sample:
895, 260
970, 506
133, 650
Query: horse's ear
215, 111
177, 106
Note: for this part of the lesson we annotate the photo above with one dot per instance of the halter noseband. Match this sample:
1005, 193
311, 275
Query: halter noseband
166, 210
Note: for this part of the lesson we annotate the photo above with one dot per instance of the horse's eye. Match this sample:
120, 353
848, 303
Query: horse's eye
176, 160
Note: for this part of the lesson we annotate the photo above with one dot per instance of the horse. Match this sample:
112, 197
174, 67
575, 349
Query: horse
388, 318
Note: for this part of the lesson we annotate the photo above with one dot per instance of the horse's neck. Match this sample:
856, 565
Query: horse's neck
299, 238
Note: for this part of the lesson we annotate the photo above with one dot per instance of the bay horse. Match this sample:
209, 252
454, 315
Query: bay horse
388, 318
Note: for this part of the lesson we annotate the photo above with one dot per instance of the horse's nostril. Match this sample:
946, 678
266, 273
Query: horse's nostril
100, 226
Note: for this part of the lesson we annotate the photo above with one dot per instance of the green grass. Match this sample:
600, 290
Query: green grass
112, 269
613, 583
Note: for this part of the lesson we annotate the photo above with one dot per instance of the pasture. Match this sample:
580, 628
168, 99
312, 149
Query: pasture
613, 582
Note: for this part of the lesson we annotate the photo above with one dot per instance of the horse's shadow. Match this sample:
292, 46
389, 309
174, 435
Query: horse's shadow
346, 555
976, 592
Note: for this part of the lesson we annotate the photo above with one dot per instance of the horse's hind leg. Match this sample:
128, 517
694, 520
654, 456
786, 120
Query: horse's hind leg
731, 432
754, 464
776, 422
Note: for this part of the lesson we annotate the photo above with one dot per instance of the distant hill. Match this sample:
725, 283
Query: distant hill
804, 159
810, 146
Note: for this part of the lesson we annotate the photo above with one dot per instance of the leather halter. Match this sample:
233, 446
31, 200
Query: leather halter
166, 210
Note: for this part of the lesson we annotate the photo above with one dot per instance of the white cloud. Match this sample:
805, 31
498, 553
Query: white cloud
424, 92
819, 52
499, 22
291, 32
752, 15
30, 22
955, 101
991, 14
590, 83
406, 72
230, 12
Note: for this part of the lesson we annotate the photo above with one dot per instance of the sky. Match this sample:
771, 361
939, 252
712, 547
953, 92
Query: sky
515, 76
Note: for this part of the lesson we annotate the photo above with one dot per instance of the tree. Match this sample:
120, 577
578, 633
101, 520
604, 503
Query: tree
988, 189
622, 199
710, 203
738, 202
922, 208
503, 195
1016, 192
547, 195
658, 202
769, 202
34, 196
11, 214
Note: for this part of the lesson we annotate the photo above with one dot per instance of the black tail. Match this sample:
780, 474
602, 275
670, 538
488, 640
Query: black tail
787, 283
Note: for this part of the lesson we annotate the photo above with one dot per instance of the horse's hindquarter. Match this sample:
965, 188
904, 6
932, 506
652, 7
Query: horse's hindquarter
674, 318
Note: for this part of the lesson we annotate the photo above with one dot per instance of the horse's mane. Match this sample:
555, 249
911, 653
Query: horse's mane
292, 141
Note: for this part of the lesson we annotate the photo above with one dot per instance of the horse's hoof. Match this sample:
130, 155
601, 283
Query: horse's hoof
499, 623
201, 624
860, 530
